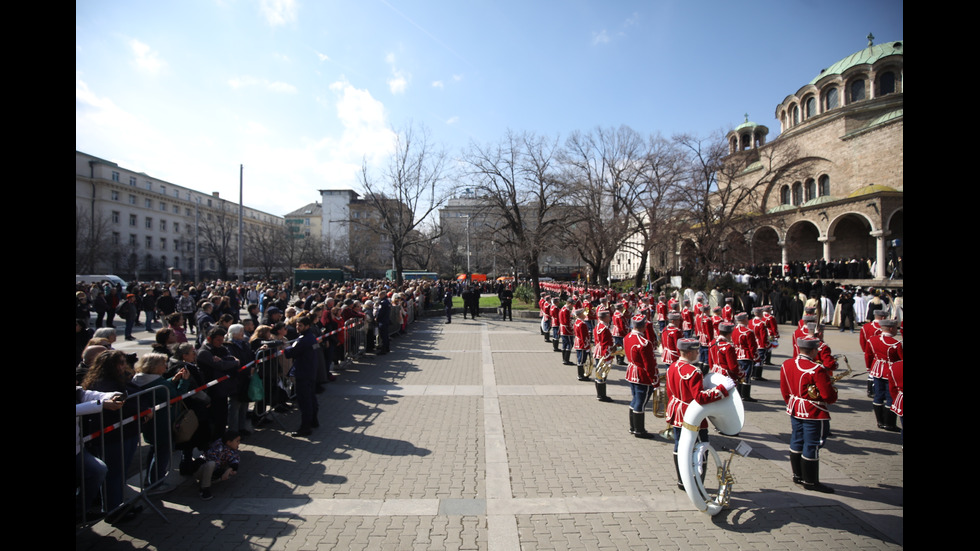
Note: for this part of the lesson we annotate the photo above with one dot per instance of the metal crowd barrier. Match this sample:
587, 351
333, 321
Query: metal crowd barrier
117, 440
277, 386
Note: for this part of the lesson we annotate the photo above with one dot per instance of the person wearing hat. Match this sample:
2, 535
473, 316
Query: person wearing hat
802, 332
553, 318
705, 332
581, 344
761, 329
746, 346
685, 384
728, 313
773, 328
662, 312
823, 355
723, 360
669, 338
870, 331
808, 389
128, 311
641, 373
602, 350
687, 320
887, 350
565, 329
619, 330
544, 305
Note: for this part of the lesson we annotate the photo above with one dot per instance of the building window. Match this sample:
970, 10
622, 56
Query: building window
163, 190
784, 198
857, 90
163, 243
176, 262
148, 203
163, 225
132, 219
176, 209
149, 223
149, 185
187, 212
176, 245
132, 180
115, 217
176, 194
886, 83
163, 206
797, 194
115, 238
115, 176
811, 107
831, 100
115, 195
176, 227
824, 185
149, 242
811, 189
132, 239
796, 115
132, 199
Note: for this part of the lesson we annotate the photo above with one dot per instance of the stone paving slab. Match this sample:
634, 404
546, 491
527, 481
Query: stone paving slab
462, 439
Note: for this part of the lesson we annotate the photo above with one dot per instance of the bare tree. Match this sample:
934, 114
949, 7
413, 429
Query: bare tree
93, 241
520, 182
265, 246
407, 190
606, 168
722, 193
217, 230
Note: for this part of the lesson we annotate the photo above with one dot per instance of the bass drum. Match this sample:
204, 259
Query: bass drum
728, 416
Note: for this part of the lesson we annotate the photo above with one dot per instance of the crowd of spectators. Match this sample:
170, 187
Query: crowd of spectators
200, 333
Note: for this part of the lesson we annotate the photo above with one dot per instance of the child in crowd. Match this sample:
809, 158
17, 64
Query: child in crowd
221, 462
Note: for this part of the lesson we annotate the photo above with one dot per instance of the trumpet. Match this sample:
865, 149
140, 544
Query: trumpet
813, 393
660, 398
604, 364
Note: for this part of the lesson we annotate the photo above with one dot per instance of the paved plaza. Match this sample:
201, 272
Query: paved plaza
473, 435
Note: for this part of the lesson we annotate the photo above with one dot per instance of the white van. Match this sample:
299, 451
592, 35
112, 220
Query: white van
96, 278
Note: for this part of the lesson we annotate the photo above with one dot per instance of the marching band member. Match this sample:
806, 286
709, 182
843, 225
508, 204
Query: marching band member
685, 385
565, 328
745, 349
728, 313
545, 305
773, 327
619, 330
669, 338
896, 387
581, 344
705, 331
868, 332
887, 350
602, 351
687, 320
553, 317
807, 389
723, 359
759, 326
641, 374
662, 312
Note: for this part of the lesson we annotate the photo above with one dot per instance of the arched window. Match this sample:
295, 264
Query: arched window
784, 198
797, 194
733, 146
831, 101
796, 115
886, 83
824, 185
811, 189
811, 107
857, 90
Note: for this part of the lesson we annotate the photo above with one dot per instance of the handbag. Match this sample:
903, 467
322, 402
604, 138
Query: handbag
256, 390
185, 425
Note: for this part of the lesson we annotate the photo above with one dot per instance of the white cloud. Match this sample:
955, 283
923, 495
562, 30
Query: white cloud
278, 12
146, 59
452, 120
323, 57
438, 84
632, 19
399, 79
599, 37
457, 78
245, 81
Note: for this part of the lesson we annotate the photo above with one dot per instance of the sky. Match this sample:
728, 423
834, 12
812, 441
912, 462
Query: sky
302, 93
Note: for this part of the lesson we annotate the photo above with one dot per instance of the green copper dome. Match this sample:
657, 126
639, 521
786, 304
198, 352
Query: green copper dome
868, 56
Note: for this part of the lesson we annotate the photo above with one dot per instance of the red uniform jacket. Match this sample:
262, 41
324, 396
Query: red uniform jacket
887, 350
565, 320
642, 361
722, 358
745, 345
603, 338
896, 385
795, 378
684, 383
581, 335
670, 336
868, 332
619, 325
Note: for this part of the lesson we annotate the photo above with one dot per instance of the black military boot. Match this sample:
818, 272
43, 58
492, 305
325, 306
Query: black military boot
796, 462
890, 418
811, 477
640, 430
565, 355
554, 343
745, 391
677, 470
581, 373
600, 392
